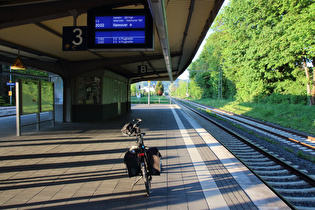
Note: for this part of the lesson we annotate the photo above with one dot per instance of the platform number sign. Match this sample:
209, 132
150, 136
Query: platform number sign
142, 69
74, 38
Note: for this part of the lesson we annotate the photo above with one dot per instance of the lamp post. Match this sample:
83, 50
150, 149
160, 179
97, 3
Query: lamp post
149, 93
10, 88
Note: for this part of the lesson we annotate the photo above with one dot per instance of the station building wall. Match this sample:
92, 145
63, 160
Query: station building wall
99, 96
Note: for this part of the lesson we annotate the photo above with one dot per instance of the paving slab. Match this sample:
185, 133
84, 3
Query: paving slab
80, 166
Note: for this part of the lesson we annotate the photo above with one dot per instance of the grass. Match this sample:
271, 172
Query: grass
306, 157
295, 116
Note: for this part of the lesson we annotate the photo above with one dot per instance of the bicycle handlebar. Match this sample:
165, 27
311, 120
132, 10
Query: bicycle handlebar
132, 128
137, 122
137, 119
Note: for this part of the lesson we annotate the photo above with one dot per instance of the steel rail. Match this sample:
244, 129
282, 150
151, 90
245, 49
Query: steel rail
278, 161
220, 112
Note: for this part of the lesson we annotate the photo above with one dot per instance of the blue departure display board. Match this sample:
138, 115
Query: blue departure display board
120, 29
120, 22
119, 37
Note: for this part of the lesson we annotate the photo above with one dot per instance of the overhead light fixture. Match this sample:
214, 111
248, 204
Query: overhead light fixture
18, 64
157, 8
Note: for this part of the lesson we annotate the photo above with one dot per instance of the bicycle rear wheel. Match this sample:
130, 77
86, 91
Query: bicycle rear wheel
147, 181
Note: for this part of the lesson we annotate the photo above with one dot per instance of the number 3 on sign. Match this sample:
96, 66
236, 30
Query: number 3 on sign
78, 32
74, 38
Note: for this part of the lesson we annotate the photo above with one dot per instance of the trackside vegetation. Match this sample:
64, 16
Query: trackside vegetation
295, 116
258, 61
264, 50
17, 74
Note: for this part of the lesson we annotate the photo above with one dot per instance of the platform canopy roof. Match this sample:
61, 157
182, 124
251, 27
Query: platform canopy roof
34, 29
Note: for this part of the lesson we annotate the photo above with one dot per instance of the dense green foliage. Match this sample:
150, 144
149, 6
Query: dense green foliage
296, 116
159, 88
29, 72
185, 89
18, 74
2, 102
30, 96
262, 48
180, 91
133, 89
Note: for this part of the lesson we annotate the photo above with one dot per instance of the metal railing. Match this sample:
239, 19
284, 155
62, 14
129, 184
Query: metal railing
144, 100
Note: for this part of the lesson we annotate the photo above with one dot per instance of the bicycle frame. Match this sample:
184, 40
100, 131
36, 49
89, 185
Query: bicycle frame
143, 159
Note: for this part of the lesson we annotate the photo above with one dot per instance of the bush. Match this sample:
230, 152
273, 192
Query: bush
276, 98
2, 102
159, 88
297, 116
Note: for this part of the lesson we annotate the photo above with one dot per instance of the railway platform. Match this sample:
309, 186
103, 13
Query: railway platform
80, 166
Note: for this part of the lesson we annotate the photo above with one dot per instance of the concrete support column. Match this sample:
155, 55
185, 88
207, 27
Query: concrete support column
67, 100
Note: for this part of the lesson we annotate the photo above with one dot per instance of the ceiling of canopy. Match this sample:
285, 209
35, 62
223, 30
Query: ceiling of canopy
34, 30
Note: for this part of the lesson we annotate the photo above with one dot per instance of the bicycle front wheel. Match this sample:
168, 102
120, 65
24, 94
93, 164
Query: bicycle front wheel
147, 181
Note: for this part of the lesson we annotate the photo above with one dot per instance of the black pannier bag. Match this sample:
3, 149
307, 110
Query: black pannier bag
127, 130
131, 161
154, 158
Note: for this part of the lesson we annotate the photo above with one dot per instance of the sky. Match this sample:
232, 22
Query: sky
185, 74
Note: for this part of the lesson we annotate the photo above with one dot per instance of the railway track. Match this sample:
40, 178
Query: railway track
293, 138
294, 186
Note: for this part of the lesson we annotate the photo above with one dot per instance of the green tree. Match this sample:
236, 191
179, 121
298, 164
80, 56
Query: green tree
181, 90
194, 90
206, 70
264, 46
299, 22
2, 101
172, 89
4, 78
133, 89
159, 88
